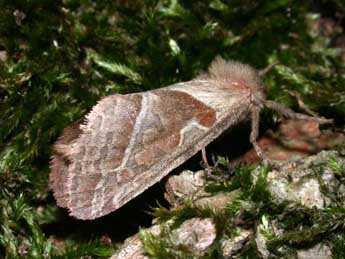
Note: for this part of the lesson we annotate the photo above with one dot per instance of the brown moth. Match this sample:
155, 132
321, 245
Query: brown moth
129, 142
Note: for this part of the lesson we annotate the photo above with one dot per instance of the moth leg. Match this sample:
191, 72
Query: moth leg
287, 112
255, 113
204, 159
169, 195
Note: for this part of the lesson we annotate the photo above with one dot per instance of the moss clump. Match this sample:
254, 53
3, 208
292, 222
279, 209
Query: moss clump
300, 226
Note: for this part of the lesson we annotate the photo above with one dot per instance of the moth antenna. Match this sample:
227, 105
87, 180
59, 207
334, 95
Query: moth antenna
267, 69
287, 112
301, 103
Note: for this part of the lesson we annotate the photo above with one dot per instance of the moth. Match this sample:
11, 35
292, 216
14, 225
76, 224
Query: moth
129, 142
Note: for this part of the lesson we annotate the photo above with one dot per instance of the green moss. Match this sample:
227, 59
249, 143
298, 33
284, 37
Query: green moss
338, 242
163, 247
315, 225
337, 168
251, 252
182, 213
301, 226
227, 179
18, 218
93, 249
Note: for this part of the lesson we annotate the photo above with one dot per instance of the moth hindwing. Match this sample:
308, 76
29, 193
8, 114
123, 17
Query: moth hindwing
127, 143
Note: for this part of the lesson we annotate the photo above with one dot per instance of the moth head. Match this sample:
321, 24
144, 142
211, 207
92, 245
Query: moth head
235, 75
